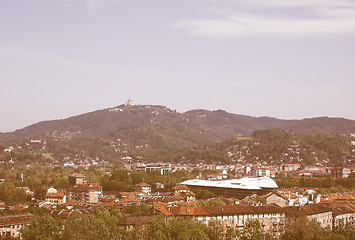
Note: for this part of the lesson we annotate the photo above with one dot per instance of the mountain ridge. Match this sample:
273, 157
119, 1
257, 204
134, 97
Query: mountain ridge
193, 126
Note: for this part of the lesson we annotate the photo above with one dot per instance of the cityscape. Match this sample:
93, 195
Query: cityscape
177, 120
274, 191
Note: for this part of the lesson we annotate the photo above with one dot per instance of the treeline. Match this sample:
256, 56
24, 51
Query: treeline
103, 224
58, 177
330, 183
123, 180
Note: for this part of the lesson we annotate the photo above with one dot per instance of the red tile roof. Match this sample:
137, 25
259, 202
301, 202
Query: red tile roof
56, 195
136, 220
143, 184
181, 187
223, 210
15, 219
85, 187
315, 209
77, 175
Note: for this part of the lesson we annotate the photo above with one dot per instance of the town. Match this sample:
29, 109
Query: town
214, 198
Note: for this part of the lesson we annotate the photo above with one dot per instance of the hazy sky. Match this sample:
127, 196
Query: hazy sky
283, 58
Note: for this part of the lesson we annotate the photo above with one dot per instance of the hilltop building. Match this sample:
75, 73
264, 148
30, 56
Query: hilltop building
129, 102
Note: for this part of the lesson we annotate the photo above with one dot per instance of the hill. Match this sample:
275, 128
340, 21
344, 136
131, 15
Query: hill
160, 127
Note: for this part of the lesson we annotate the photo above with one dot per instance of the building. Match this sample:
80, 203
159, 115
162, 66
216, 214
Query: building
261, 172
238, 188
319, 212
271, 218
41, 192
3, 205
130, 222
340, 172
163, 170
143, 187
342, 215
290, 167
77, 178
181, 189
10, 226
57, 197
89, 193
282, 198
185, 193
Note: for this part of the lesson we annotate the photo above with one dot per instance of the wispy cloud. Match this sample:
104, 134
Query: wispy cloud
299, 3
93, 6
10, 52
324, 18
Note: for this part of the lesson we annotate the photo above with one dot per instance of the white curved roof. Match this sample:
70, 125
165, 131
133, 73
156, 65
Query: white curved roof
243, 183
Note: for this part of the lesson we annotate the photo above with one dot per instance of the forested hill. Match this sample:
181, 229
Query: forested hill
159, 125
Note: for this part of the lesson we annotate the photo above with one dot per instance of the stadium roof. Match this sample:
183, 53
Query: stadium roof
252, 183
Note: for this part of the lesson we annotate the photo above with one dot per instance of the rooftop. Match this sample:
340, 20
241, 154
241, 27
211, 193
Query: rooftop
15, 219
243, 183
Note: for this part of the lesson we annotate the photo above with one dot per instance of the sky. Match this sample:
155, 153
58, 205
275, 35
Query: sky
281, 58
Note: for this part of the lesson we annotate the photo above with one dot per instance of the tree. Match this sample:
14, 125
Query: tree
82, 227
252, 231
303, 229
11, 195
43, 228
176, 229
215, 230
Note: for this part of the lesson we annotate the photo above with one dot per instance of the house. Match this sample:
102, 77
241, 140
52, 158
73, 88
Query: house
262, 172
143, 187
88, 193
181, 189
10, 226
3, 205
185, 192
77, 178
282, 198
159, 185
290, 167
57, 197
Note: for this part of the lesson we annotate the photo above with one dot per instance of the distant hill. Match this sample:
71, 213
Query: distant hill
160, 126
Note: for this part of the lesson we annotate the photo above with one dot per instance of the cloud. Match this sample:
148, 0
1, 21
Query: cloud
299, 3
92, 6
333, 18
10, 52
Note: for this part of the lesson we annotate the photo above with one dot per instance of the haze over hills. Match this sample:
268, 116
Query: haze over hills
140, 124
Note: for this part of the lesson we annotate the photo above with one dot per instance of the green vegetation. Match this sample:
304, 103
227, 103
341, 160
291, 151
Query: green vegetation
304, 229
100, 225
328, 184
11, 195
103, 224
